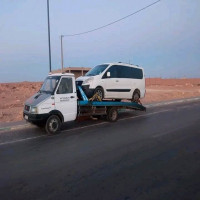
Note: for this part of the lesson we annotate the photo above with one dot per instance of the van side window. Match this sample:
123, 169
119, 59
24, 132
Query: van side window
137, 73
113, 72
130, 72
125, 72
65, 86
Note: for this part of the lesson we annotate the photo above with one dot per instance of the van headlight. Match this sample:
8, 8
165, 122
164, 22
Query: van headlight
34, 110
89, 80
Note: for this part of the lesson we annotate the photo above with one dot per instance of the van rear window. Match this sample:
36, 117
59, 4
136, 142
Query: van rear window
130, 72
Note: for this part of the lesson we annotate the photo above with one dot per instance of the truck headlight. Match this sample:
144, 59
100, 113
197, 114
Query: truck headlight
89, 80
34, 110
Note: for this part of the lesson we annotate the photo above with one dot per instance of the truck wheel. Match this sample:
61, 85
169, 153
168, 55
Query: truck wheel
53, 124
100, 93
136, 96
112, 114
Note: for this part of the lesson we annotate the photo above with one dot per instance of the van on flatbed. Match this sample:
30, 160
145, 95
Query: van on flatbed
56, 102
114, 81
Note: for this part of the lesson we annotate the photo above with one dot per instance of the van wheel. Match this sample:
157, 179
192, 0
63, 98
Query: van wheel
112, 114
53, 124
99, 91
136, 96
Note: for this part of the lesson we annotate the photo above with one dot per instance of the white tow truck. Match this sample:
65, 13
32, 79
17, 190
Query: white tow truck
57, 102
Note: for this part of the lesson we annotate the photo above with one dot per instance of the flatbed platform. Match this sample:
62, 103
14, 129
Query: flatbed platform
106, 103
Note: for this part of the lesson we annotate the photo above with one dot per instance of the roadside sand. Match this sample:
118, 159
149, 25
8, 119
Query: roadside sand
13, 95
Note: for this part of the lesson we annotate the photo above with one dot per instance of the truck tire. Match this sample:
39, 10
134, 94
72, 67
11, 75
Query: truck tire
53, 125
112, 114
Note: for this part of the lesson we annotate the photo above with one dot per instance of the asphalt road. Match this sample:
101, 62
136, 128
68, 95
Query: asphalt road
152, 155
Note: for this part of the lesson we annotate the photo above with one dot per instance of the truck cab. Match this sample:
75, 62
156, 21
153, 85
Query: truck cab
57, 96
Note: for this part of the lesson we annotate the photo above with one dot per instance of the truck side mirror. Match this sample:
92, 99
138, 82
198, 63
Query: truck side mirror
108, 74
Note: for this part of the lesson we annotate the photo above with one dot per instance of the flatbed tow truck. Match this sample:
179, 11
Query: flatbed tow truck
57, 102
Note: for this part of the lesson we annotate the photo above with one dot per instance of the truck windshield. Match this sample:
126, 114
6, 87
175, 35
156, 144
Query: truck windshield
96, 70
50, 84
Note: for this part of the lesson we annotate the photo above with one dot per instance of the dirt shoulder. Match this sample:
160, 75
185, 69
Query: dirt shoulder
158, 89
13, 95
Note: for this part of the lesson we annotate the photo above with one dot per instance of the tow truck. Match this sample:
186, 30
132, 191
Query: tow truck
60, 100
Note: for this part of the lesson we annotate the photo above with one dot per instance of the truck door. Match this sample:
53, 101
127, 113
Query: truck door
65, 98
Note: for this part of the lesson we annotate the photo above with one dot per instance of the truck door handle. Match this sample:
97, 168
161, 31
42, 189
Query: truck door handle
72, 97
117, 81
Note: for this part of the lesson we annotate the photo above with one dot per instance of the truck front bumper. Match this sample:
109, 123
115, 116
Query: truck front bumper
35, 117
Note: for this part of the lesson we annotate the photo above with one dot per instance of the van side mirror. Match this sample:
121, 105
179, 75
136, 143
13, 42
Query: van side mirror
108, 74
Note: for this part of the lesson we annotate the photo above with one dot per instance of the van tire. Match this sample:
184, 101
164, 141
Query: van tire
136, 96
112, 114
53, 125
100, 92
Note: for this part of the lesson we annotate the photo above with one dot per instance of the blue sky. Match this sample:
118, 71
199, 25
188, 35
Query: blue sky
164, 39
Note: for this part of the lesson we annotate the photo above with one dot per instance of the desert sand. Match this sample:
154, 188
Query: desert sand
13, 95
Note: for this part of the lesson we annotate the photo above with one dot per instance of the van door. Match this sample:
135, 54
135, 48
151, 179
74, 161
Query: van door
126, 81
65, 98
112, 86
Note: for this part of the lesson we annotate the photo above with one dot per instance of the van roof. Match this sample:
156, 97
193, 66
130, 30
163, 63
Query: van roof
125, 64
61, 74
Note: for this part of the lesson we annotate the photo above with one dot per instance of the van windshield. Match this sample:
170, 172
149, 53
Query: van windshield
50, 84
96, 70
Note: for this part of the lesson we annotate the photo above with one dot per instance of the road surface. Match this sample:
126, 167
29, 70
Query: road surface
152, 155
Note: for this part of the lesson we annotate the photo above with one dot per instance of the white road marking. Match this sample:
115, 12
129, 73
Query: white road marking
171, 130
21, 140
21, 126
172, 102
153, 113
182, 107
166, 132
82, 127
16, 127
79, 128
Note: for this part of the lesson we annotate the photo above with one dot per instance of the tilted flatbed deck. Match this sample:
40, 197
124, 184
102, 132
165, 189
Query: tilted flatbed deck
85, 104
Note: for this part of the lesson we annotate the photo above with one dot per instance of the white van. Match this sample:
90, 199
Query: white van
114, 81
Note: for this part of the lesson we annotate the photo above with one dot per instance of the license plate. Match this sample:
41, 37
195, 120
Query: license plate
26, 117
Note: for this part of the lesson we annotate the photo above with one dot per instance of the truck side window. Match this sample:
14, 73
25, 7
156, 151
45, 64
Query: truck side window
65, 86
